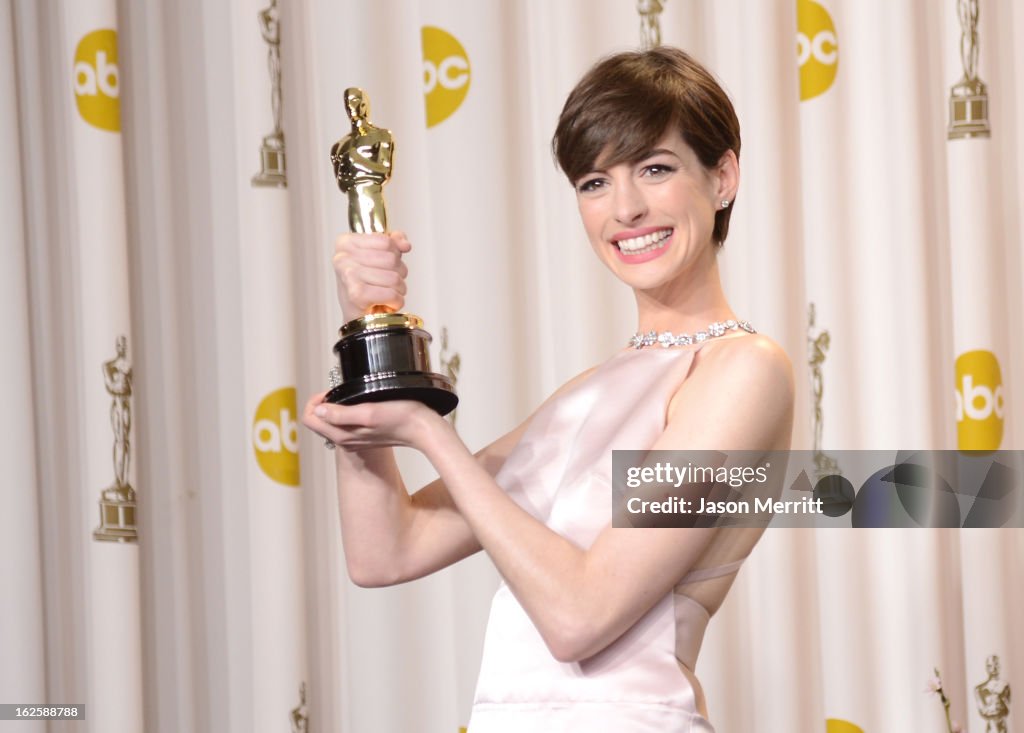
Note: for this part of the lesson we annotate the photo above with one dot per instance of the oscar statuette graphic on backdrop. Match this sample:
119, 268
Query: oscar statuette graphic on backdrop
817, 349
451, 363
993, 698
117, 502
383, 355
650, 22
968, 99
272, 159
299, 716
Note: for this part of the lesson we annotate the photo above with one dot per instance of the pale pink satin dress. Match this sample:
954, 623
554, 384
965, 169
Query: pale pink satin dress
560, 472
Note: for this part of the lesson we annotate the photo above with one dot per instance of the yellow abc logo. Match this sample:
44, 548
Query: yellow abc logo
445, 74
275, 436
979, 401
817, 49
835, 725
97, 80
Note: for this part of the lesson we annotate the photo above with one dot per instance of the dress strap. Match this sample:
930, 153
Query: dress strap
716, 572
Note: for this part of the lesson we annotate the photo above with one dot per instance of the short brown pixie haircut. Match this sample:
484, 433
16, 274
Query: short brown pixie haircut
625, 104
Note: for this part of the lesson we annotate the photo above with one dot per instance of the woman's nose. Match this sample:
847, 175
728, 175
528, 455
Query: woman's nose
630, 205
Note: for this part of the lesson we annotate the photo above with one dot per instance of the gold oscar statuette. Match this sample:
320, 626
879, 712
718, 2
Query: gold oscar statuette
383, 355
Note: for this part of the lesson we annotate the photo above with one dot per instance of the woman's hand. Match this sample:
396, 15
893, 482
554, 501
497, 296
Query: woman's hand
372, 424
370, 271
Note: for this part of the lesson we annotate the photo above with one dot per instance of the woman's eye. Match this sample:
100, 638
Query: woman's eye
657, 169
590, 185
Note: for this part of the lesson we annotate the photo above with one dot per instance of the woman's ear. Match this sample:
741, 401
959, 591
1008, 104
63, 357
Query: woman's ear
728, 174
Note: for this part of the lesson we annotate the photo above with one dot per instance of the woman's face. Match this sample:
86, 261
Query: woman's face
650, 221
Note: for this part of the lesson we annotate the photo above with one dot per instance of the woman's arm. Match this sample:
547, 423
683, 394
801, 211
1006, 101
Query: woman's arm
738, 398
388, 535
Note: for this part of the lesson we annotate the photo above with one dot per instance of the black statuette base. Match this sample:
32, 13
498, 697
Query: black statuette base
391, 363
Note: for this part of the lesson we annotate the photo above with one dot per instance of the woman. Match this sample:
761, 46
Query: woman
594, 627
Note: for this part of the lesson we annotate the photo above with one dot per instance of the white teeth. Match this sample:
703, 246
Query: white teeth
645, 243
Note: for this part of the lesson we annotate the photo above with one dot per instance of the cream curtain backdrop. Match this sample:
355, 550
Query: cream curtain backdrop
21, 605
74, 218
853, 198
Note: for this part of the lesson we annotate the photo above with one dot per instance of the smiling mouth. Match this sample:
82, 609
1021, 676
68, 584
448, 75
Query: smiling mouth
644, 243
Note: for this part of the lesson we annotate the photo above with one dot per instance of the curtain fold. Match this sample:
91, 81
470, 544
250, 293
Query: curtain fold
23, 670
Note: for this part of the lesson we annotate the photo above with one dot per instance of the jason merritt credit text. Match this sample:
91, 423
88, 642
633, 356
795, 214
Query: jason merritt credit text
677, 505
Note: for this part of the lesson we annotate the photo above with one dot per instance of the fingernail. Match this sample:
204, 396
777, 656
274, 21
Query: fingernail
321, 411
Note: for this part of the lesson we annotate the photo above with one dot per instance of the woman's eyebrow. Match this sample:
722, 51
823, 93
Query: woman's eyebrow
660, 151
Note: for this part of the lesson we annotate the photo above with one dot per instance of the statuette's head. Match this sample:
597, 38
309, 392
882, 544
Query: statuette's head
992, 665
356, 105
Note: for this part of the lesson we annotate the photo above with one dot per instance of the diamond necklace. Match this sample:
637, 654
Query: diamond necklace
667, 338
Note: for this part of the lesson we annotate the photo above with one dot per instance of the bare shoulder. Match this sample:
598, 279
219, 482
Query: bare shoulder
738, 396
749, 360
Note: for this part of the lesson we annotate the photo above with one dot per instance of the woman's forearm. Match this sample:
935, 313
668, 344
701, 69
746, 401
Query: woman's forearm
374, 507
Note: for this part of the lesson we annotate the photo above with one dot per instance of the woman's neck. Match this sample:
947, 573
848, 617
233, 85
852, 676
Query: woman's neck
685, 305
